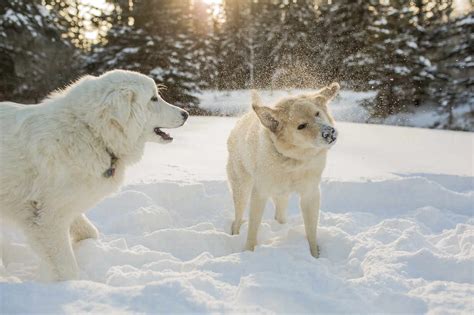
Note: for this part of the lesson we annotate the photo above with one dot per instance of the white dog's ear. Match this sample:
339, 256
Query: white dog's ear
119, 104
267, 117
330, 91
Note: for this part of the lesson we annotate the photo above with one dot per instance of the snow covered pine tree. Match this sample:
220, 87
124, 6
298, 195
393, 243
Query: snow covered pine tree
34, 58
153, 38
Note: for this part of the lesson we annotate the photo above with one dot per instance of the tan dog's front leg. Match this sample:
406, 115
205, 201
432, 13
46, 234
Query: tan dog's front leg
281, 203
257, 205
309, 203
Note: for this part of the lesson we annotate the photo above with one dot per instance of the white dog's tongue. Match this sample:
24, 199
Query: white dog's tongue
163, 134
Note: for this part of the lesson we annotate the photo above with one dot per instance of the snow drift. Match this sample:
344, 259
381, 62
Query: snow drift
396, 235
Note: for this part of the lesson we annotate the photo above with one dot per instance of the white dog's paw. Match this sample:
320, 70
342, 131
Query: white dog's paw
89, 232
82, 229
66, 273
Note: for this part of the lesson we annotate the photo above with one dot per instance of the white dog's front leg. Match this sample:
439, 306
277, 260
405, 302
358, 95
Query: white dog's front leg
52, 243
82, 228
257, 205
310, 203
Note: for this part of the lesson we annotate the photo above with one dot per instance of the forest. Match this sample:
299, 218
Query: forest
409, 53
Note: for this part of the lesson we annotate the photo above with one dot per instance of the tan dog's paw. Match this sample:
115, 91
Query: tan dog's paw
250, 246
280, 218
235, 230
315, 251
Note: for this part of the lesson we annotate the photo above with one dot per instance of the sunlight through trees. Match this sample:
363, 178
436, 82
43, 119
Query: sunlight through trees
411, 53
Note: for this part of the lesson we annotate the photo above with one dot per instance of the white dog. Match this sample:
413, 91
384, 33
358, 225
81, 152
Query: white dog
62, 156
276, 151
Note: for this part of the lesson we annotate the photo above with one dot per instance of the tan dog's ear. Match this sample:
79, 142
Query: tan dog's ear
318, 99
267, 117
256, 100
330, 91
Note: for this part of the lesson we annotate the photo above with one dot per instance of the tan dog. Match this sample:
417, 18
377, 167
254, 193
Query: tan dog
276, 151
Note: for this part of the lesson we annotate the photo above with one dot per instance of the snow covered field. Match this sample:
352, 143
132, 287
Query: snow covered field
233, 103
396, 235
346, 107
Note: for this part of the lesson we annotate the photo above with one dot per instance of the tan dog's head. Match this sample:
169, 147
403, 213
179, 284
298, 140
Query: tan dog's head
302, 121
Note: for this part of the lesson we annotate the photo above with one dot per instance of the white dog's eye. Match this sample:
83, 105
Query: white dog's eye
317, 114
154, 98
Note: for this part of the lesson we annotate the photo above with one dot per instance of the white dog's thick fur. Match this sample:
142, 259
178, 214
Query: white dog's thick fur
276, 151
62, 156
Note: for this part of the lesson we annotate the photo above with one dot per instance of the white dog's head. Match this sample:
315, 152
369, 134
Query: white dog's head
132, 107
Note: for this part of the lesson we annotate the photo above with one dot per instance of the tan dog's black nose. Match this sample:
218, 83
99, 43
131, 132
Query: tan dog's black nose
329, 134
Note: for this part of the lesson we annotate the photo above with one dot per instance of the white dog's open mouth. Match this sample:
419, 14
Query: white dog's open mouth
162, 134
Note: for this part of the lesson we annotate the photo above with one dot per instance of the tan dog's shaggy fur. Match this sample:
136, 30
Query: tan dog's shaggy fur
276, 151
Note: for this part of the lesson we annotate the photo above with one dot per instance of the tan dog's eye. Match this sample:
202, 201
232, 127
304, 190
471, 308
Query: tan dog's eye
302, 126
154, 98
317, 114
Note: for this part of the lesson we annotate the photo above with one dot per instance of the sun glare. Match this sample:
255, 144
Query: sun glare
213, 2
462, 7
214, 7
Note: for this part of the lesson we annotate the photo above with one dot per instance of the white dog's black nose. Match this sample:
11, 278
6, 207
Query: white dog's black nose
185, 115
328, 133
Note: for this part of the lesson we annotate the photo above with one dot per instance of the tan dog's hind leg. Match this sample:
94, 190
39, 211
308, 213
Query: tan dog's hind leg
309, 203
241, 185
281, 203
257, 205
82, 228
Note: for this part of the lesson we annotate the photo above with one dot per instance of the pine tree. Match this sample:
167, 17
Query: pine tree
234, 70
291, 46
344, 38
206, 32
34, 57
83, 23
453, 91
265, 17
154, 38
402, 71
